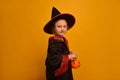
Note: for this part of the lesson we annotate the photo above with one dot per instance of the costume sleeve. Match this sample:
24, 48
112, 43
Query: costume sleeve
56, 59
63, 66
54, 56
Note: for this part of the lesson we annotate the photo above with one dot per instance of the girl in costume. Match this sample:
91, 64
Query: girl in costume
58, 60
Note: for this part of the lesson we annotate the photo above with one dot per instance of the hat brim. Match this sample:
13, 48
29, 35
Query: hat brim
68, 17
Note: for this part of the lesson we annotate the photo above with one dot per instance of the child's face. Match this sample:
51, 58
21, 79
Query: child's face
60, 27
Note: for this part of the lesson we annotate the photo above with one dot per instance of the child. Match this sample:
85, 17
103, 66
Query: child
58, 61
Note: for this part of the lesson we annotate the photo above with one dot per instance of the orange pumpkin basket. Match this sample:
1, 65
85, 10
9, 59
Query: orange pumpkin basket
75, 63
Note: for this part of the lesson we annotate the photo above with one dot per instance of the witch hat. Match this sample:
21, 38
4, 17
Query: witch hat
56, 15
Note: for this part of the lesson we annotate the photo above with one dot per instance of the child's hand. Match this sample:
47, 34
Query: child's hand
72, 55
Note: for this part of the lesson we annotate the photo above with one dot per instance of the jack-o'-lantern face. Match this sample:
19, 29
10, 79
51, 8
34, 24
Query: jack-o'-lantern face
75, 63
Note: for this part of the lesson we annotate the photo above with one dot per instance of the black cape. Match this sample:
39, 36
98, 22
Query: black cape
58, 66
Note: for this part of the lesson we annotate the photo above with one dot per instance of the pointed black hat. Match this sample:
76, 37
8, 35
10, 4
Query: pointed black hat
56, 15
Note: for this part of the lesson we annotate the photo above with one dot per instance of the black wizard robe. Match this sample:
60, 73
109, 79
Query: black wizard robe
58, 65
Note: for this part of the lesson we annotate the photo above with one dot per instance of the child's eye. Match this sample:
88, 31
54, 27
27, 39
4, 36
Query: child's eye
65, 26
58, 26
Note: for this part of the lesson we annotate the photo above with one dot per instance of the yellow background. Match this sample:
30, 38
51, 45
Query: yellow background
95, 36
